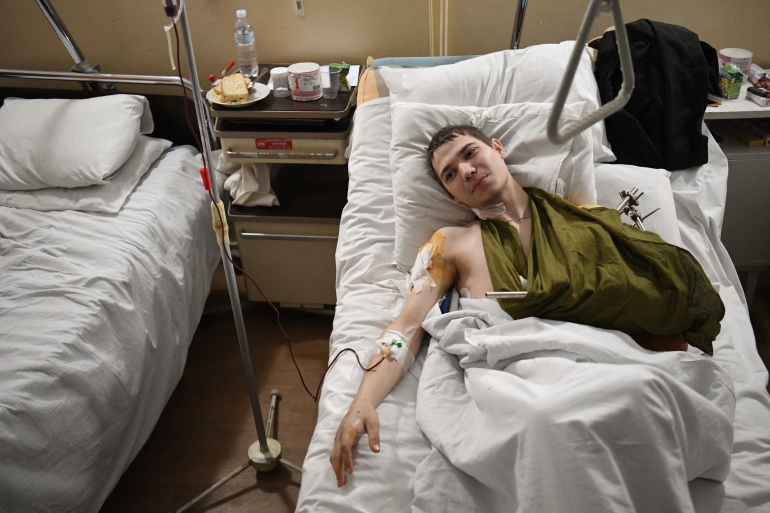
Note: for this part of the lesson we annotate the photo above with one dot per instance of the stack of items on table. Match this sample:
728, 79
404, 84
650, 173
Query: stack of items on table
306, 121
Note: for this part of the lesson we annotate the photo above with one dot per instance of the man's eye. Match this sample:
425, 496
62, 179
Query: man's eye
470, 152
449, 175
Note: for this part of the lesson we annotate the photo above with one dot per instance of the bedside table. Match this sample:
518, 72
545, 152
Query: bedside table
745, 231
289, 250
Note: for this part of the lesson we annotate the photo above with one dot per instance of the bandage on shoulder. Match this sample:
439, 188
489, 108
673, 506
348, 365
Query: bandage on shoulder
393, 345
420, 276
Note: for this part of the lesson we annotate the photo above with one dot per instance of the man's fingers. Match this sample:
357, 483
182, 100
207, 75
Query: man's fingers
347, 458
373, 429
336, 462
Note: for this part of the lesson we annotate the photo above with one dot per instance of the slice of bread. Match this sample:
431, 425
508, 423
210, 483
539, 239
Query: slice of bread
233, 89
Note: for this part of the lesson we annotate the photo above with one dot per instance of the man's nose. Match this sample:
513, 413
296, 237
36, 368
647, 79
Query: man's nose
466, 170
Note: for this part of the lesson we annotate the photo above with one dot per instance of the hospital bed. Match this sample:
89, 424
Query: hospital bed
370, 294
100, 296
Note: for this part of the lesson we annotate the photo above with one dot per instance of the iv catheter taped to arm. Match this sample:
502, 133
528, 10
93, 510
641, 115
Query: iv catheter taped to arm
219, 220
393, 345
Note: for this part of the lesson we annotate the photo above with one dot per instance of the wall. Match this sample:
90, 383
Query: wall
128, 36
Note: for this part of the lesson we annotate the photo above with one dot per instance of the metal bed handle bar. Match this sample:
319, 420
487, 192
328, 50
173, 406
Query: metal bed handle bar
111, 78
96, 77
283, 236
518, 24
326, 155
626, 67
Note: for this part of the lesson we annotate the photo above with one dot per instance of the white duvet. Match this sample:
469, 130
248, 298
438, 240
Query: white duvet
535, 415
96, 314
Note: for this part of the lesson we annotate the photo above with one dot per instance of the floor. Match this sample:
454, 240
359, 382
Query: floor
206, 429
207, 426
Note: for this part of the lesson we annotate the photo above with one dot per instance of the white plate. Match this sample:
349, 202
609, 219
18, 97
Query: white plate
256, 92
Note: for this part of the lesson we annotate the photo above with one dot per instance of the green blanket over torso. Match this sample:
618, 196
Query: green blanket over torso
588, 267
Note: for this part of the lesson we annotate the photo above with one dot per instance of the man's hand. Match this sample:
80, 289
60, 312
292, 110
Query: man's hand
361, 418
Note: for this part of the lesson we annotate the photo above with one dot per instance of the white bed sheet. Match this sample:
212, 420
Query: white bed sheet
369, 299
97, 312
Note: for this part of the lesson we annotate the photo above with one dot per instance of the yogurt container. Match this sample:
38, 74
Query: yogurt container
305, 81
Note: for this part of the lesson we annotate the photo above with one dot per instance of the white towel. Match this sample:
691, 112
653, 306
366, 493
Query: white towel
248, 184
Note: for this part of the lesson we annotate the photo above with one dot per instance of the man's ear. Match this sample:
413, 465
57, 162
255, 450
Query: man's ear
498, 147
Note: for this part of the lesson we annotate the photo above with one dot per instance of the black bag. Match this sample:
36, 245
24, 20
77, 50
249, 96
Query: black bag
660, 126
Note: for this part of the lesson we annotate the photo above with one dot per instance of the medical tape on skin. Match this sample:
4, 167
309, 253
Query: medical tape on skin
490, 211
219, 220
419, 275
394, 346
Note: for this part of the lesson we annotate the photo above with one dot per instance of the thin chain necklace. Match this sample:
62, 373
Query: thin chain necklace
520, 218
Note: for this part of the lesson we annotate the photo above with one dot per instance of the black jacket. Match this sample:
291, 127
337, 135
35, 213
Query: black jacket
660, 126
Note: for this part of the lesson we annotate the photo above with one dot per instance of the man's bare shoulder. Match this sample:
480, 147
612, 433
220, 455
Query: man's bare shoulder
459, 232
457, 238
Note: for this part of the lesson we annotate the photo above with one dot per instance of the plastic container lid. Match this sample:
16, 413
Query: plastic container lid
738, 56
279, 72
241, 13
304, 67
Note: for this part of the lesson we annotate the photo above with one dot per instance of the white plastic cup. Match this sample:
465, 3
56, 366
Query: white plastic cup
330, 83
738, 57
280, 79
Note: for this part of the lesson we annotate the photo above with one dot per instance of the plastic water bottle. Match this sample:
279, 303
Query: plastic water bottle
244, 40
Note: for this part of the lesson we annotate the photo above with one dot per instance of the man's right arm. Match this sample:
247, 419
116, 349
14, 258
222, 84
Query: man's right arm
377, 383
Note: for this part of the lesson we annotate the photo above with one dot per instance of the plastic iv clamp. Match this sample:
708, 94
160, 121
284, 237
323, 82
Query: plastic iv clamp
219, 221
394, 346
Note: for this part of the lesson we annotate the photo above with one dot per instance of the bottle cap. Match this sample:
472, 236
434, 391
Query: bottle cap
279, 72
241, 13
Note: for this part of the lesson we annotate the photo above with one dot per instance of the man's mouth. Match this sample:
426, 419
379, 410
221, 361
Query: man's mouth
479, 182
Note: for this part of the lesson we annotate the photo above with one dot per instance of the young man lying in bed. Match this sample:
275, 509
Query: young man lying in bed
582, 263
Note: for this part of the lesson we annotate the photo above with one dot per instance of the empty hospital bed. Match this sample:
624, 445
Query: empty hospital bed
370, 289
102, 288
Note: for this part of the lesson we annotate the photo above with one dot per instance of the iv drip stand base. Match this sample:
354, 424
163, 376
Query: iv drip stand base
261, 461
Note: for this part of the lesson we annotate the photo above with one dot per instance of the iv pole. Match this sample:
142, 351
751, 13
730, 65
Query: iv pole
265, 453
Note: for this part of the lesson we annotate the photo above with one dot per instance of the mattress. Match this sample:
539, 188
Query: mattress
369, 298
97, 312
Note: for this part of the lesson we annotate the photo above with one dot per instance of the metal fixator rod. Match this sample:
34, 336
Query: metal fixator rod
506, 295
626, 67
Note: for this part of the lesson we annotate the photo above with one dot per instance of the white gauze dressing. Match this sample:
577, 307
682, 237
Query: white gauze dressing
490, 211
419, 276
394, 345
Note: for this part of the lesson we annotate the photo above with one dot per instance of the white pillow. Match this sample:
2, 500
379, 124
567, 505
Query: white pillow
108, 197
532, 74
421, 204
613, 178
68, 143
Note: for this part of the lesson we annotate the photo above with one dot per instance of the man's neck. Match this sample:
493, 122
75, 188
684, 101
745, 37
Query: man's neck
515, 199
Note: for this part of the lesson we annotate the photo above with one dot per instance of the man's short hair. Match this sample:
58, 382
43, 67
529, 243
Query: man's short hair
447, 134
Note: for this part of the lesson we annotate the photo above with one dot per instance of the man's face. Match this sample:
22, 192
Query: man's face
472, 172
